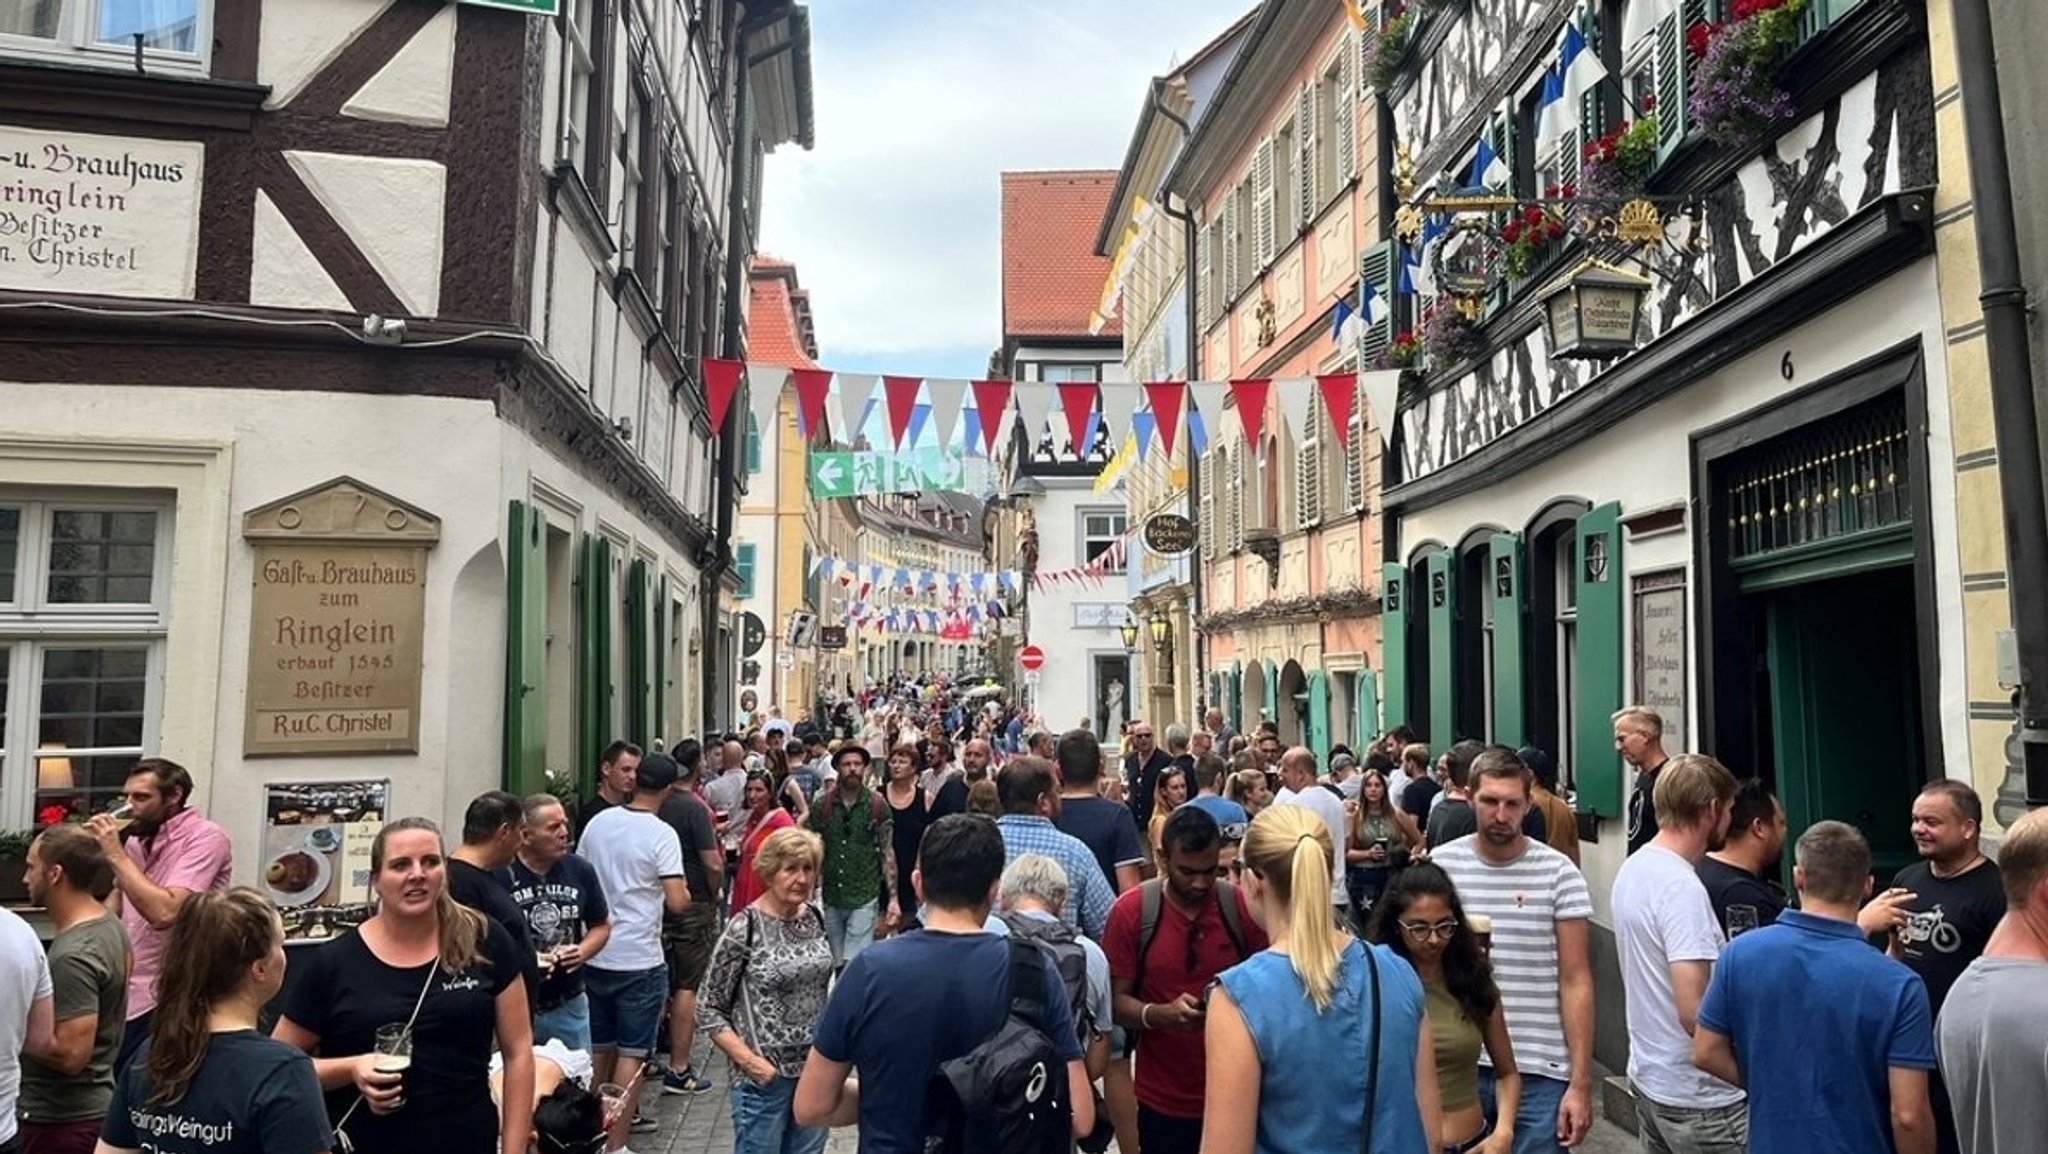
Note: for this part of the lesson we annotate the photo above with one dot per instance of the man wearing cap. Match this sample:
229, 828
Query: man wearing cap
1344, 774
860, 854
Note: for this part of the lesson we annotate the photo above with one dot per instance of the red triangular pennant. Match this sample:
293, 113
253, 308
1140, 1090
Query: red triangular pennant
1340, 392
1250, 396
901, 393
990, 398
721, 385
812, 387
1166, 398
1077, 400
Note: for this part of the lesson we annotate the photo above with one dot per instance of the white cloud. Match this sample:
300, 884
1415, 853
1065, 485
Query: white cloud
893, 220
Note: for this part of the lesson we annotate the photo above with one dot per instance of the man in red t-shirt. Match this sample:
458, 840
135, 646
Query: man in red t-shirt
1160, 986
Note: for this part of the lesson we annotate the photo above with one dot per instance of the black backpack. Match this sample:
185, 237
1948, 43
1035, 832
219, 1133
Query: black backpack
1008, 1095
1062, 946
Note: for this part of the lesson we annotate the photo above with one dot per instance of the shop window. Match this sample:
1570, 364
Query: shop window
83, 587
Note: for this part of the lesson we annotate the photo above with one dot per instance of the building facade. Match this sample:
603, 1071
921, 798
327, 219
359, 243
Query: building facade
353, 428
1289, 204
908, 547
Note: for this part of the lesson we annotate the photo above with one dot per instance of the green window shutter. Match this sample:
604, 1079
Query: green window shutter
1273, 689
1672, 81
1236, 705
753, 445
1319, 714
594, 655
1596, 576
743, 568
1366, 700
664, 625
1441, 608
639, 653
1394, 642
1504, 569
526, 650
1376, 268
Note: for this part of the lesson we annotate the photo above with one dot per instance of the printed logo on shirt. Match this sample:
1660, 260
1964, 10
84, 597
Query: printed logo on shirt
179, 1126
1933, 927
462, 982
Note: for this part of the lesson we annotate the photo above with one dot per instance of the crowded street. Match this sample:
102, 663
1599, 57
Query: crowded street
944, 577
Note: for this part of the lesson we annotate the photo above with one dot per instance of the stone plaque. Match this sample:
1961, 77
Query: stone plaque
110, 215
1660, 654
336, 622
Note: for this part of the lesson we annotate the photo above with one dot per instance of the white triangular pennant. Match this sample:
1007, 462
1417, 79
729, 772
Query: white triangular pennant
1034, 405
1382, 387
764, 393
1296, 396
947, 394
1119, 401
1207, 397
854, 391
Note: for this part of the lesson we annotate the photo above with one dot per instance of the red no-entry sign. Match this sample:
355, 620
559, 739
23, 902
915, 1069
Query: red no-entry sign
1032, 658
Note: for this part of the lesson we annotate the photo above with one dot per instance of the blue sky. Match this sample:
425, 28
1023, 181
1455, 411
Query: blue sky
893, 219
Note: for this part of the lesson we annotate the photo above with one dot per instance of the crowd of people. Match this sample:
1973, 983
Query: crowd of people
941, 922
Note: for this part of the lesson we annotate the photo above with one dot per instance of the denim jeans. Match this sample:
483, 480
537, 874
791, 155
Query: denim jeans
625, 1008
762, 1122
568, 1023
849, 931
1675, 1130
1535, 1118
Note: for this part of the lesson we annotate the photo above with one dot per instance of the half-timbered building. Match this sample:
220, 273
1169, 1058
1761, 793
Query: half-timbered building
350, 424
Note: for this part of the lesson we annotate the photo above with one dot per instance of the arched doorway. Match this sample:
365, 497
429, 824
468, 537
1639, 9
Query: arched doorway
1291, 705
1252, 701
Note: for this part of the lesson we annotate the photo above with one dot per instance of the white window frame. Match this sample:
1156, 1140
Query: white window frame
1088, 537
31, 625
74, 43
579, 80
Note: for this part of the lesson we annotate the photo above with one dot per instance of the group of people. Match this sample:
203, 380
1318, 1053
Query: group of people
1216, 944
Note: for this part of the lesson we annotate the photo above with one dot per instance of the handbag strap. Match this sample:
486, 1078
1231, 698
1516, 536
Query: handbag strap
341, 1138
1372, 1064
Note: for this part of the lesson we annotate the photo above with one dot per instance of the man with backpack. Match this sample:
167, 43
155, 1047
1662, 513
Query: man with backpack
969, 1061
1167, 940
860, 854
1033, 891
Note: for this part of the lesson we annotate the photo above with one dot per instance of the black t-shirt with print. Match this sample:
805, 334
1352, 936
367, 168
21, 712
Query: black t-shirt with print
1948, 922
1642, 808
348, 993
251, 1095
559, 906
1730, 887
492, 897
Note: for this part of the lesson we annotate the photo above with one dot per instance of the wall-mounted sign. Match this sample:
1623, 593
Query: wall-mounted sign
753, 633
832, 637
316, 853
1169, 534
336, 621
1100, 614
110, 215
530, 7
1660, 656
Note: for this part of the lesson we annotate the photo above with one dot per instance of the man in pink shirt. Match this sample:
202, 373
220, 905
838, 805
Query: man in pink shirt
169, 851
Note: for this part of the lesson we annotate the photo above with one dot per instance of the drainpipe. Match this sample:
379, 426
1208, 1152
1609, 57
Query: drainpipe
1189, 239
732, 336
2015, 422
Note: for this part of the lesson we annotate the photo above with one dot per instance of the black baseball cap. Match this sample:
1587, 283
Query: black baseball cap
657, 771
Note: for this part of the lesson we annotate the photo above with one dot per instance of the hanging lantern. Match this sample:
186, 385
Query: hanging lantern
1595, 312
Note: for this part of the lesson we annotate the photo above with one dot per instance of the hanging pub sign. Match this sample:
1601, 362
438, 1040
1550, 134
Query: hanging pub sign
753, 633
1169, 534
831, 636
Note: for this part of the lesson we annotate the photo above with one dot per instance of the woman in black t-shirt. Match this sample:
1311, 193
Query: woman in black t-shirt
205, 1082
450, 972
910, 814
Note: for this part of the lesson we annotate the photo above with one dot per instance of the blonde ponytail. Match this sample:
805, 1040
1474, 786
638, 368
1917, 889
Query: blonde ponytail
1289, 848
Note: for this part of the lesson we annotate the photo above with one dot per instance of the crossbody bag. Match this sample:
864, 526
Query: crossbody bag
341, 1138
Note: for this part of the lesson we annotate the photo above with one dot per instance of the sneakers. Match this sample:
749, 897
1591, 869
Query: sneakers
687, 1081
645, 1123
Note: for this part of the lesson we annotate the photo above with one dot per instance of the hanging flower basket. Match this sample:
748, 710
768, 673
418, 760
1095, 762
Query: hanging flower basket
1618, 164
1383, 55
1529, 235
1736, 99
1449, 338
1404, 352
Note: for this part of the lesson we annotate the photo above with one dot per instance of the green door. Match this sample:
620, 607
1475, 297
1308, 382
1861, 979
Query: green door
1844, 670
1504, 571
1319, 714
1596, 586
1366, 697
594, 658
1394, 642
1441, 605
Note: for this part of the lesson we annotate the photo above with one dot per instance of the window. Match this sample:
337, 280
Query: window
1069, 373
1308, 470
175, 33
84, 580
1102, 533
752, 451
629, 218
1354, 461
743, 568
1287, 187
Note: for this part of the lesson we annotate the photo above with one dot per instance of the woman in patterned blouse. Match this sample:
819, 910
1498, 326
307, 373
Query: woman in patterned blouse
765, 990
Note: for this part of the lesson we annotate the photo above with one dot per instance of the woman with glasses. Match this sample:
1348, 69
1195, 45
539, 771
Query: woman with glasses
1420, 916
1302, 1034
1381, 836
763, 818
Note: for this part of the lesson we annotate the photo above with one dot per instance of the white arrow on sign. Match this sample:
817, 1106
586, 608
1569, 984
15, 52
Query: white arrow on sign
827, 473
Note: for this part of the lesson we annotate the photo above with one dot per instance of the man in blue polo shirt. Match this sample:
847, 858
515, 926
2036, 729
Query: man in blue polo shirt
1844, 1069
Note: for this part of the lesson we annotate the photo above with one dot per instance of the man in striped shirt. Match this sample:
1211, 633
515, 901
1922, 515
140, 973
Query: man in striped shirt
1539, 905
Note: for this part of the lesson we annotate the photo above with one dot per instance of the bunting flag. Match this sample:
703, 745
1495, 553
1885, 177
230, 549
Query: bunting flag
855, 390
721, 385
1340, 392
1297, 400
1206, 397
813, 387
1250, 396
1143, 425
764, 394
1119, 401
1198, 433
990, 399
1077, 404
1381, 387
947, 394
1166, 399
1374, 307
1034, 409
901, 395
920, 416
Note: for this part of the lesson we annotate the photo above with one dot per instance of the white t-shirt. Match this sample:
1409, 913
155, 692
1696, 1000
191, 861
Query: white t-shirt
632, 851
1330, 808
1661, 916
24, 980
1526, 898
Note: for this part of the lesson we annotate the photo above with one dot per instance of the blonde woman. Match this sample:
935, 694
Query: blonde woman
1302, 1033
1168, 794
765, 990
1250, 789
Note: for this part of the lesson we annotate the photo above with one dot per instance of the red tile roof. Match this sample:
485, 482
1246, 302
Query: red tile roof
779, 328
1052, 279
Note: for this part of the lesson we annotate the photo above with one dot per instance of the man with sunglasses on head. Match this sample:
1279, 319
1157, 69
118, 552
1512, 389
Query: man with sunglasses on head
1167, 940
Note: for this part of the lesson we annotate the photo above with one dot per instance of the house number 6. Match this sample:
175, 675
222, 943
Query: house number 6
1785, 365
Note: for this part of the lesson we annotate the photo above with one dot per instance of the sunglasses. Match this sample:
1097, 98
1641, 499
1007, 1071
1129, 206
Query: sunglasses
1424, 931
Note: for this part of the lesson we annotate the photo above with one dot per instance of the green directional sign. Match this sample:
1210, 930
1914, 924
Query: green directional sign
530, 7
860, 474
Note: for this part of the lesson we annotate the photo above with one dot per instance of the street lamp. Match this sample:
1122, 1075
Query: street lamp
1162, 630
1595, 311
1129, 629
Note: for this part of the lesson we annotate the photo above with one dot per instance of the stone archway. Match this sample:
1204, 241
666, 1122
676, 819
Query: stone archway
1290, 705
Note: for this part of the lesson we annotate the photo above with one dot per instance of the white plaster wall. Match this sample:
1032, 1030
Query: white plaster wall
1066, 690
1645, 463
300, 37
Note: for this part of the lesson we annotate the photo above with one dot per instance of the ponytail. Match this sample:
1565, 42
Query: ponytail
1289, 848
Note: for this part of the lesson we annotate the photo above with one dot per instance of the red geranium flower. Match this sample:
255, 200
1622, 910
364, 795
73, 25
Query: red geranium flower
52, 814
1698, 36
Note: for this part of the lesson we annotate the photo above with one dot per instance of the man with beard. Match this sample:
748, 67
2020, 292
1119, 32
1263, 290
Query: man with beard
1539, 905
951, 796
170, 852
614, 782
1669, 939
1738, 875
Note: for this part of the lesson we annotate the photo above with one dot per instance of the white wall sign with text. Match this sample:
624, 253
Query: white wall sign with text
107, 215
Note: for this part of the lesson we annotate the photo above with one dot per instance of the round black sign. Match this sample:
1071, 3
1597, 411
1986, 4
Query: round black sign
1169, 534
753, 634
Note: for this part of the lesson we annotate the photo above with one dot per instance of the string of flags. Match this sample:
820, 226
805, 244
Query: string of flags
1147, 410
877, 582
